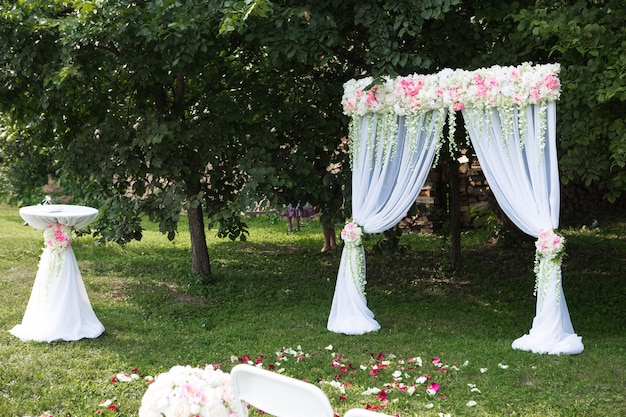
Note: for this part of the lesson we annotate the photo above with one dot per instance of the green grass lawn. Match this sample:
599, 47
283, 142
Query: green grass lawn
271, 296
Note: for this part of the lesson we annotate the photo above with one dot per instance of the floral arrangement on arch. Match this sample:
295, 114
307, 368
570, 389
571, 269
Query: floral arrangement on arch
496, 86
352, 236
416, 97
549, 253
184, 391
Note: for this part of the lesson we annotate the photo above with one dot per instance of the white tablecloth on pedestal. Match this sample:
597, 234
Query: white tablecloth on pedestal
59, 308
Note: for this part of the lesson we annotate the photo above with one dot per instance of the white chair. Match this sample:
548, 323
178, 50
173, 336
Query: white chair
362, 412
275, 394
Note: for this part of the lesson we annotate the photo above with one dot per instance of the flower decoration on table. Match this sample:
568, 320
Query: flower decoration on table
187, 391
549, 253
47, 205
57, 238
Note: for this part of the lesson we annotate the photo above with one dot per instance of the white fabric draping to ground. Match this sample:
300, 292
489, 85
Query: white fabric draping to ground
388, 174
522, 171
58, 308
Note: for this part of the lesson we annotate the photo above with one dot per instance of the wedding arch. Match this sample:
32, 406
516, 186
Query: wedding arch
396, 132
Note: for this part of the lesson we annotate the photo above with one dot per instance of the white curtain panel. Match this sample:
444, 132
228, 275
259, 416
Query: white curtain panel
519, 159
390, 165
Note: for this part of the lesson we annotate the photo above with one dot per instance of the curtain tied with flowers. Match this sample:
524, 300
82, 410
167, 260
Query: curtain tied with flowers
396, 132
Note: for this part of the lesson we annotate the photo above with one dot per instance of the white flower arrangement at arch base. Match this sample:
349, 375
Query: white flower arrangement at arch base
184, 391
549, 253
352, 236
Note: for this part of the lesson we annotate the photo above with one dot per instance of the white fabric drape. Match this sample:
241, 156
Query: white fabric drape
390, 163
59, 307
522, 171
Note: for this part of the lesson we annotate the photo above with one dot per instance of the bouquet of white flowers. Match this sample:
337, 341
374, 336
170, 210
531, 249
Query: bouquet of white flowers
352, 233
549, 245
189, 392
549, 253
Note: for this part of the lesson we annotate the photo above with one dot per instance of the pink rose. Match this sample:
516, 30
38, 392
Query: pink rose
551, 82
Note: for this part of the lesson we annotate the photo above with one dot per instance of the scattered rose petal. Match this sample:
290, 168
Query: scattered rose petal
473, 388
371, 391
432, 388
105, 403
124, 377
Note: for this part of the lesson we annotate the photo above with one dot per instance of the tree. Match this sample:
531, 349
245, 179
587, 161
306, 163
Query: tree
163, 106
148, 109
587, 38
153, 112
355, 38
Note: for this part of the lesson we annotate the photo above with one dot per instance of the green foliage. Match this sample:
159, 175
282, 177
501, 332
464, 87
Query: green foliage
587, 38
488, 221
25, 161
381, 38
389, 241
118, 223
154, 106
230, 226
149, 110
237, 12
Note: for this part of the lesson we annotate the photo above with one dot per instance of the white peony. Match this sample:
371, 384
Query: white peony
184, 391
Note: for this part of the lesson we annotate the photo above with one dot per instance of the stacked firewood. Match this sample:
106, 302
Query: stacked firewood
474, 192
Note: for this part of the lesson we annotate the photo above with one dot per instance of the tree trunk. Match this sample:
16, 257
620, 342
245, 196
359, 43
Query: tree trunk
455, 213
199, 252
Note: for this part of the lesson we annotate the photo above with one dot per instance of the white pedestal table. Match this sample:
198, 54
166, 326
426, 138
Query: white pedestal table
58, 308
